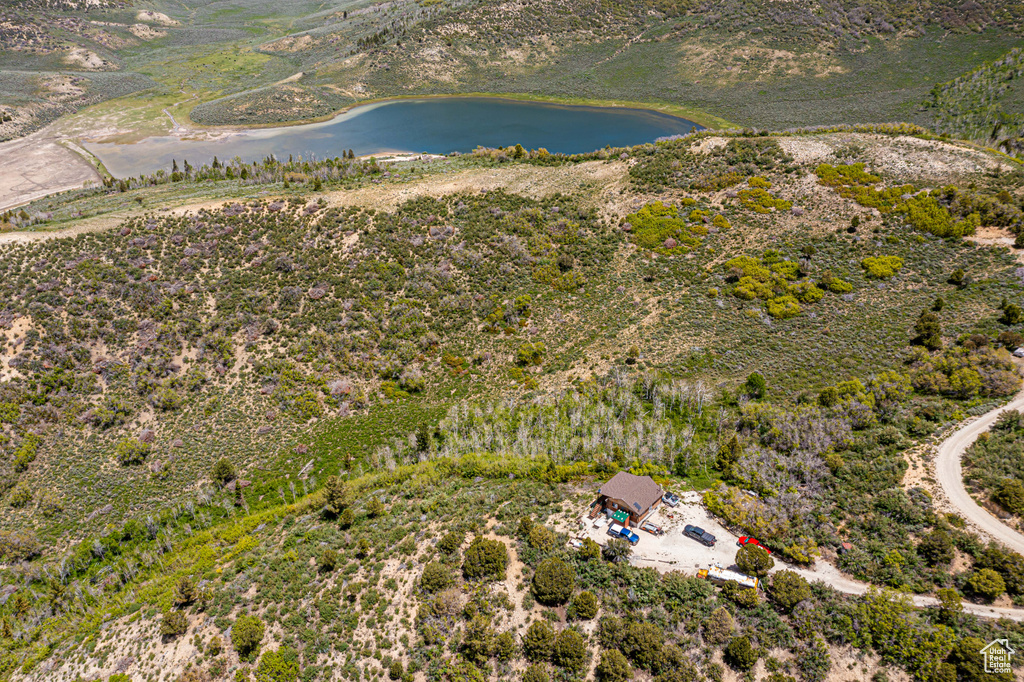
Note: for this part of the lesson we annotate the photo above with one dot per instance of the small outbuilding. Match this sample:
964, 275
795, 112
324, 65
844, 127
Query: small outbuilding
635, 495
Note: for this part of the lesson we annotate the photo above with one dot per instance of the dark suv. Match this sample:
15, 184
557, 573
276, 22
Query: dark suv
700, 535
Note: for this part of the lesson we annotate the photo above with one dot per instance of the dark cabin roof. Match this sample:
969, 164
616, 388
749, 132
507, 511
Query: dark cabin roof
639, 492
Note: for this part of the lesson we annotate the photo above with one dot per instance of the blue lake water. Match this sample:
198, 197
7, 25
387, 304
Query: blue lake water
430, 125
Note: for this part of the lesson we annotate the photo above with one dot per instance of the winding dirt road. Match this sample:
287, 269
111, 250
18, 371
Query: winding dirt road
950, 476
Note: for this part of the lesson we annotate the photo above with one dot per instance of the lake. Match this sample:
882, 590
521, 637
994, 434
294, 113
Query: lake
430, 125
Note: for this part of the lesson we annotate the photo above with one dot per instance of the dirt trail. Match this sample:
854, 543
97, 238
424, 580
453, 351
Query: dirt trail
950, 476
595, 177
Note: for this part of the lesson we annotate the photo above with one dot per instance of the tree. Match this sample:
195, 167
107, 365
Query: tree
729, 452
173, 623
538, 642
986, 583
569, 651
1012, 315
928, 331
754, 560
131, 451
969, 662
436, 577
950, 606
719, 626
223, 471
936, 547
789, 589
553, 582
643, 644
617, 551
959, 278
246, 635
347, 518
584, 606
504, 646
613, 667
740, 653
485, 559
756, 386
337, 496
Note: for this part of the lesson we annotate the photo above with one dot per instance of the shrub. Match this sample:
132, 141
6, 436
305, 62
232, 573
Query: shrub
986, 583
754, 560
478, 640
223, 471
530, 354
590, 550
617, 551
569, 651
281, 665
451, 542
538, 642
337, 496
246, 635
185, 591
396, 670
131, 451
928, 331
719, 626
881, 267
173, 623
643, 644
485, 559
328, 560
504, 646
1010, 495
613, 667
756, 386
553, 582
21, 495
535, 673
436, 577
789, 589
936, 547
740, 653
541, 537
584, 606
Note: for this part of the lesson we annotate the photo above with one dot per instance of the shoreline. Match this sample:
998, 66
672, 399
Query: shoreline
701, 118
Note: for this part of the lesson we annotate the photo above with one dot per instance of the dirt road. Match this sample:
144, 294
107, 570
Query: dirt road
950, 476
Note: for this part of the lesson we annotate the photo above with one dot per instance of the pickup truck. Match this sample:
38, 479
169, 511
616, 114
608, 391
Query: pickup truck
700, 535
619, 531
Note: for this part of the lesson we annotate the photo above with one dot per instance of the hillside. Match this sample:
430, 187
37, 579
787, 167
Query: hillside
720, 64
269, 420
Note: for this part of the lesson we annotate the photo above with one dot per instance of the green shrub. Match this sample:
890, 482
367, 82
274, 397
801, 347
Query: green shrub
553, 582
881, 267
173, 623
504, 646
584, 606
278, 666
246, 635
613, 667
740, 653
436, 577
485, 560
719, 626
986, 583
538, 642
789, 589
20, 495
328, 560
754, 560
1010, 496
451, 542
530, 354
223, 471
535, 673
569, 651
131, 451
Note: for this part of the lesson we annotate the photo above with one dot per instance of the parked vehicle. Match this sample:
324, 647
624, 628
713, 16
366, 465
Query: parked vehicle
700, 535
745, 540
1019, 353
720, 576
619, 531
651, 528
671, 499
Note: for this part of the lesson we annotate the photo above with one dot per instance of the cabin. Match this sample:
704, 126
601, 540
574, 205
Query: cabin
629, 498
